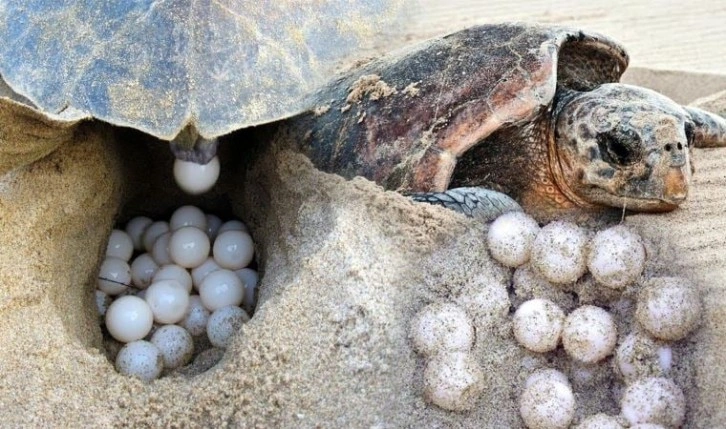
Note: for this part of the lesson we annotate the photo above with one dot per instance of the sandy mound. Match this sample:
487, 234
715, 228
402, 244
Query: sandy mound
345, 266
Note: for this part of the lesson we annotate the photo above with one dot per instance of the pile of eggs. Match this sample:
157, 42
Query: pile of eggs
549, 262
667, 309
189, 286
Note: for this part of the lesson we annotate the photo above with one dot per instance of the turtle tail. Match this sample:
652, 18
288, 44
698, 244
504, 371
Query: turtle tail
479, 203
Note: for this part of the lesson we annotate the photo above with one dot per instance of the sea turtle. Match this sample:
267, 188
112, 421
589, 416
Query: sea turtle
186, 71
535, 112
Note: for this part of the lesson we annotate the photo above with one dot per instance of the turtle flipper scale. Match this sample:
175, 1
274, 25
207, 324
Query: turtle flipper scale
479, 203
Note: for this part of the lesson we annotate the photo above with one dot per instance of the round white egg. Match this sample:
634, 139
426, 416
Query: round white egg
441, 326
558, 252
232, 225
200, 272
196, 318
546, 374
188, 216
152, 232
168, 300
654, 400
669, 308
160, 249
233, 250
547, 403
537, 325
119, 245
639, 356
114, 276
510, 238
189, 247
135, 228
221, 288
174, 272
194, 178
175, 344
213, 225
224, 323
589, 334
617, 257
249, 278
143, 269
140, 359
129, 318
453, 380
600, 421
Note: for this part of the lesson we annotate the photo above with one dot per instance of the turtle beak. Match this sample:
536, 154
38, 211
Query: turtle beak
676, 186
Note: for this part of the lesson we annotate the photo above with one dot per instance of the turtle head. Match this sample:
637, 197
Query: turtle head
624, 146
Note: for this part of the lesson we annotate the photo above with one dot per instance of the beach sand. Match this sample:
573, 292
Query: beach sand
345, 267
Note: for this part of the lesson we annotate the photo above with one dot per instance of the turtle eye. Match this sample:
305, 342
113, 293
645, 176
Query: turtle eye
690, 134
619, 149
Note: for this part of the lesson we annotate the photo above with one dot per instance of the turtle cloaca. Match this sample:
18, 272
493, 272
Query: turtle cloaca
534, 112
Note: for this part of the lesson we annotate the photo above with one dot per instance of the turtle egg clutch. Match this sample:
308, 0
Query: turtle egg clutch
169, 290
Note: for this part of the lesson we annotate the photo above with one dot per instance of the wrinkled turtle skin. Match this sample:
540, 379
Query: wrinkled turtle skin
531, 111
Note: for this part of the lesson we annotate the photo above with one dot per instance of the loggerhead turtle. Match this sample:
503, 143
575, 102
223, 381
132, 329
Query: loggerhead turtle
533, 112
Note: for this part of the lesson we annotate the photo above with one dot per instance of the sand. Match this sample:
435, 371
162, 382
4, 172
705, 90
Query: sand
345, 267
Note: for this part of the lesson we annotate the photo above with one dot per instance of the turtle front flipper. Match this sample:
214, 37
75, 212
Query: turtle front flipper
479, 203
709, 130
189, 146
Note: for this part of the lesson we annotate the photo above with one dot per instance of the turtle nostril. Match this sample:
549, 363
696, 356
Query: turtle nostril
668, 147
680, 146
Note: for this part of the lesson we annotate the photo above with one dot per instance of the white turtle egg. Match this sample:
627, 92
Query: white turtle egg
194, 178
175, 344
510, 238
221, 288
232, 225
168, 300
547, 403
224, 323
617, 257
441, 326
153, 232
174, 272
200, 272
233, 250
546, 374
669, 308
114, 276
655, 400
600, 421
189, 247
120, 245
135, 228
160, 249
188, 216
140, 359
558, 252
589, 334
453, 380
196, 318
640, 356
102, 302
213, 225
129, 318
249, 278
143, 269
537, 325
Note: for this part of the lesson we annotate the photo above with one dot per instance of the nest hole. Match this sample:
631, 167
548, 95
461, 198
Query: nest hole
149, 189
